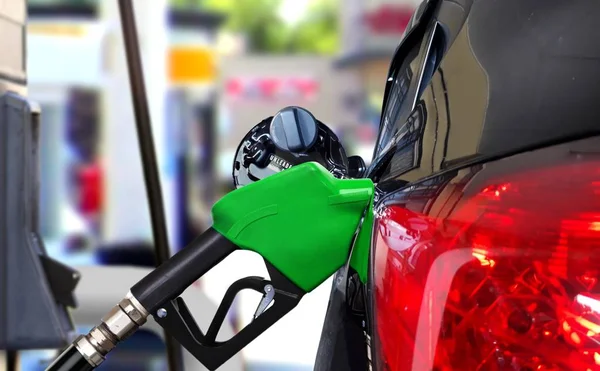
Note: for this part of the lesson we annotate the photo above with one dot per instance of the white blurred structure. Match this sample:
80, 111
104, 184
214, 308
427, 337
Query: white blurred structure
125, 180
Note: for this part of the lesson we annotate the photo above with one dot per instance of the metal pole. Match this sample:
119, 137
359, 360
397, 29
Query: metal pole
12, 357
207, 115
148, 156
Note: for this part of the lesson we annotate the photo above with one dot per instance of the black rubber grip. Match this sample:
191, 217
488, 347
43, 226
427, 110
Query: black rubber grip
70, 360
175, 275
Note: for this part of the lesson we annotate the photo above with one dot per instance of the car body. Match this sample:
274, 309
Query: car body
487, 212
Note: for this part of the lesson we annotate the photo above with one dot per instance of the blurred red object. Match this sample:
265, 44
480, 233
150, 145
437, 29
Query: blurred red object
366, 132
272, 88
235, 87
269, 86
90, 179
388, 19
308, 87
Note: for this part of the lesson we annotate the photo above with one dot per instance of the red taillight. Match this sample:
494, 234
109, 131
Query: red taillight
495, 272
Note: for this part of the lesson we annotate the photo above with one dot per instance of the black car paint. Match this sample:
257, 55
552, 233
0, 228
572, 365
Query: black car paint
514, 76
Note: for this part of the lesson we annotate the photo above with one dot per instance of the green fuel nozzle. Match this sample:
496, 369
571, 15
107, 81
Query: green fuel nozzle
302, 221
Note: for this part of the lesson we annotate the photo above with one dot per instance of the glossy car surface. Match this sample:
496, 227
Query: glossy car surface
487, 171
475, 80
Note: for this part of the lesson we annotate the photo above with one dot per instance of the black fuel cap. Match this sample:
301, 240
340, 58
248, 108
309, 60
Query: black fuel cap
294, 129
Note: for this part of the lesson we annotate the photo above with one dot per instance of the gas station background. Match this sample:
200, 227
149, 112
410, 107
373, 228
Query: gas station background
206, 89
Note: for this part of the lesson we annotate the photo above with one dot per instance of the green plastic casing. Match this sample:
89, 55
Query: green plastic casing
302, 221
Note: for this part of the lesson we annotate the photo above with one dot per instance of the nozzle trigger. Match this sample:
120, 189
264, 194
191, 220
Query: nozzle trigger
265, 301
212, 353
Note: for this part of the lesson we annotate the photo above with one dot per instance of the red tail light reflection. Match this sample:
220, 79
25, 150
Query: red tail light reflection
502, 276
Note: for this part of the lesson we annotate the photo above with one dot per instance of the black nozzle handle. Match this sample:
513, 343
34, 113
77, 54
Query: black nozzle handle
175, 275
70, 360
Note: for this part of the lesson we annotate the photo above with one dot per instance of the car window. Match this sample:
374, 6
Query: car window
402, 87
403, 120
399, 102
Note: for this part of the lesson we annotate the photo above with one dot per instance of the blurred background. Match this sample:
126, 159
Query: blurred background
214, 69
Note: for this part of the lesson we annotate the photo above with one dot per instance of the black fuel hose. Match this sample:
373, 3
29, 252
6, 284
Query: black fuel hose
70, 360
158, 287
175, 275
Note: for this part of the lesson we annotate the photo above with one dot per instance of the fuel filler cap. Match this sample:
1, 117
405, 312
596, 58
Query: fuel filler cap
294, 129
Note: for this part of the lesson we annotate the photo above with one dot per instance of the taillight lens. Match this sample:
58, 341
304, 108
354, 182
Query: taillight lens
492, 272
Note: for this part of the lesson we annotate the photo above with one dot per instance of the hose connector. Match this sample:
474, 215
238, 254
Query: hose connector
122, 321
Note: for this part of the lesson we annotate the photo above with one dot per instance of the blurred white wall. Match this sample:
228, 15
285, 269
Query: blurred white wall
126, 214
